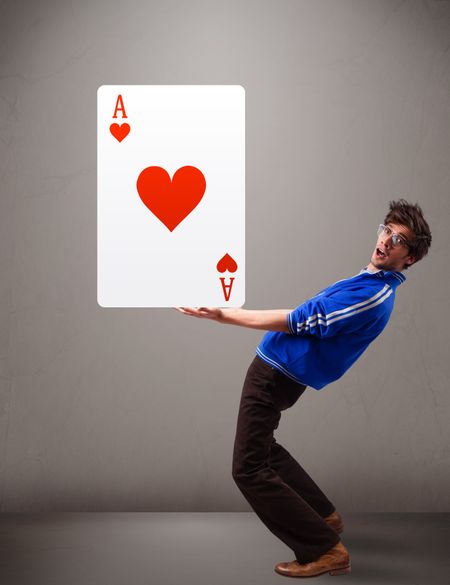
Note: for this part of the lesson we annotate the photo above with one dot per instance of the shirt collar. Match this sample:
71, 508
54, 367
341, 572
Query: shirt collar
395, 275
369, 271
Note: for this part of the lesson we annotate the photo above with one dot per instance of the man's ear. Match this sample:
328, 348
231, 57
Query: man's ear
409, 261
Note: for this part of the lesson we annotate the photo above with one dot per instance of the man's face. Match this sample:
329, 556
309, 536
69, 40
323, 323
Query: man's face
386, 256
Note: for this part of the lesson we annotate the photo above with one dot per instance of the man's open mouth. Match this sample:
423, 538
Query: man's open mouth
380, 253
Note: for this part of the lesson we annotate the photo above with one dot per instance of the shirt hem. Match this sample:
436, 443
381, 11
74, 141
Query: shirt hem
278, 366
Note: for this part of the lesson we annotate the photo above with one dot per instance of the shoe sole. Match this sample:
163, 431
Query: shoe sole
333, 572
343, 571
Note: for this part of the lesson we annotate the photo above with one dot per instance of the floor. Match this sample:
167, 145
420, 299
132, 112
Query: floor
213, 548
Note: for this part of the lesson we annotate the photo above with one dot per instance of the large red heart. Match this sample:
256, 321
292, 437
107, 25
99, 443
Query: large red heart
119, 132
171, 200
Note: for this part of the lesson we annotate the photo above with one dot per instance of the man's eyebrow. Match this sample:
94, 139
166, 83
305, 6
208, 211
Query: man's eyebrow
404, 236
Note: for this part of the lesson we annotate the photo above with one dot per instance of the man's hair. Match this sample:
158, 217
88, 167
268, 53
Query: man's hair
410, 215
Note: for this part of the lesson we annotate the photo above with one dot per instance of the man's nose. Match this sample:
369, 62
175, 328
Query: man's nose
386, 240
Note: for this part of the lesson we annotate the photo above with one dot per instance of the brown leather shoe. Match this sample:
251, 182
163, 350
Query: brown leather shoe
335, 521
336, 561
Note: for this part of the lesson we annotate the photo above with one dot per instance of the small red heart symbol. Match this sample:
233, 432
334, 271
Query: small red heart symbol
119, 132
227, 263
171, 200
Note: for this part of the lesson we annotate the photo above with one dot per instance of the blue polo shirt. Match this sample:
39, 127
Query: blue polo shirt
330, 331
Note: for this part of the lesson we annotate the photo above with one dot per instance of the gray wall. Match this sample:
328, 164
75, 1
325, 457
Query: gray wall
347, 107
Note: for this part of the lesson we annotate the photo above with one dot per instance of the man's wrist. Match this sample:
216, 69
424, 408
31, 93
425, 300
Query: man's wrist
228, 316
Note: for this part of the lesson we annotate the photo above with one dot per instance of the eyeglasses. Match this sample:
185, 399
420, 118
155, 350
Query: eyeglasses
396, 239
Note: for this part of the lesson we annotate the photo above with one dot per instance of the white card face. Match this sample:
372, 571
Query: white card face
171, 195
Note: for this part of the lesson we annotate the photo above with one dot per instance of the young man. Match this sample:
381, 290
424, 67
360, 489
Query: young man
312, 345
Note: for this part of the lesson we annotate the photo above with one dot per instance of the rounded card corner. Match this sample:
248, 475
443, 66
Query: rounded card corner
99, 303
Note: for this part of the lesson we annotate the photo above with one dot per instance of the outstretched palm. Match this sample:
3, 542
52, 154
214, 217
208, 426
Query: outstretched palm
202, 312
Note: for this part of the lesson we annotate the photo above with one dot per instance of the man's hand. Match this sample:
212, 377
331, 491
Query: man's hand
202, 312
273, 320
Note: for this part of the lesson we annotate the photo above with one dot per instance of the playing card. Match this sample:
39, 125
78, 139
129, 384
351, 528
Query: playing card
171, 195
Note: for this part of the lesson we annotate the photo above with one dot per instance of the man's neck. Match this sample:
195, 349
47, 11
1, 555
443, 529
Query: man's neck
371, 269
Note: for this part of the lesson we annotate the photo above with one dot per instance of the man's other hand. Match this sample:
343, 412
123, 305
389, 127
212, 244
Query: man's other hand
203, 312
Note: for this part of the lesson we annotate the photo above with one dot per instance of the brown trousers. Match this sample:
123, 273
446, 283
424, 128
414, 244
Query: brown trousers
278, 489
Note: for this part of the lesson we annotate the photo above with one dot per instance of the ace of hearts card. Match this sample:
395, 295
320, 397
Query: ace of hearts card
170, 195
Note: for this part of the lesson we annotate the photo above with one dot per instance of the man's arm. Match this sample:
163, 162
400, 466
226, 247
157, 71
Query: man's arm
345, 312
271, 320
